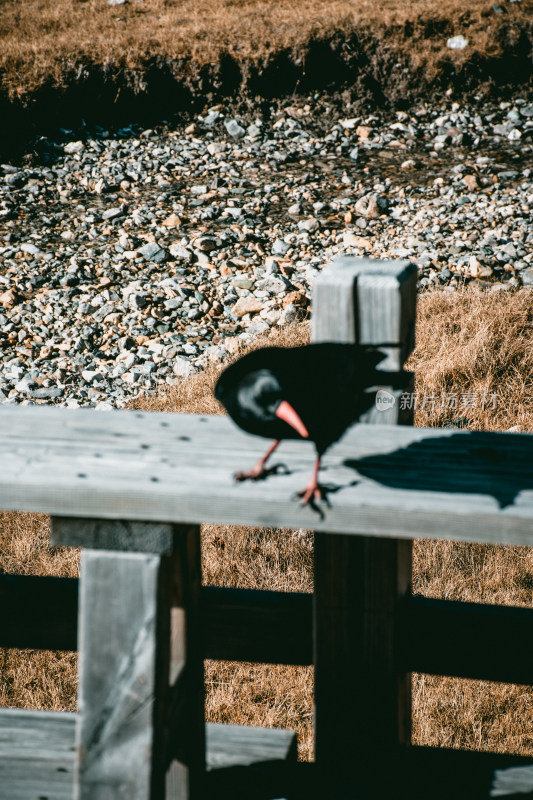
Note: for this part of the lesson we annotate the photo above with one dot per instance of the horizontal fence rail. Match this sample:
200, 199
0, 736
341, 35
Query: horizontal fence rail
38, 612
440, 637
385, 480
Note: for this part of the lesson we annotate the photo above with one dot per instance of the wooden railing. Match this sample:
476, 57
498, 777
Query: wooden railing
133, 488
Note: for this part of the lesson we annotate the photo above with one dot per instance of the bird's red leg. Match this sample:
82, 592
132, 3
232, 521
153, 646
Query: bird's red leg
258, 471
312, 491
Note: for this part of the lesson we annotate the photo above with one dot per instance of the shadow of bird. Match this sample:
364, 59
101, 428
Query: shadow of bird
470, 462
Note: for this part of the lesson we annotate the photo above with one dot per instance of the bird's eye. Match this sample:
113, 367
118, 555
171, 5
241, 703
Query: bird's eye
269, 397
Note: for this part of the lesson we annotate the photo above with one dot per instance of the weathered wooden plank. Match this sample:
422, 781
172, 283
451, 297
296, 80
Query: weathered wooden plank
36, 755
409, 482
37, 752
257, 626
182, 675
440, 637
371, 302
512, 782
98, 534
242, 745
368, 301
38, 612
362, 692
466, 640
247, 763
118, 655
37, 760
128, 647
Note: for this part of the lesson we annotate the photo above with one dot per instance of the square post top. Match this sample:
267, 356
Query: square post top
369, 302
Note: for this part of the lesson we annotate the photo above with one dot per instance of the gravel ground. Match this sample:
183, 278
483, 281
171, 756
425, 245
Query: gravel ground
131, 258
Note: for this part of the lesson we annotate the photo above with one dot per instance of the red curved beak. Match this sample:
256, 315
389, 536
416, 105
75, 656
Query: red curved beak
287, 413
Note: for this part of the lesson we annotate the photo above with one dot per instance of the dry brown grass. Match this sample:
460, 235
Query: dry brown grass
33, 678
51, 42
466, 342
476, 343
255, 694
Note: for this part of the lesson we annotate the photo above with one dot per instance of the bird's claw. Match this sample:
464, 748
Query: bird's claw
258, 473
310, 494
251, 475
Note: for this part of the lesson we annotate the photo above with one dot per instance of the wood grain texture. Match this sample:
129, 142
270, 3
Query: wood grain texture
242, 745
37, 752
117, 691
132, 719
367, 301
36, 755
100, 534
362, 692
402, 481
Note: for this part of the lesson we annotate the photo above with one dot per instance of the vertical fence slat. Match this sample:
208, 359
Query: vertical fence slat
362, 699
127, 644
184, 714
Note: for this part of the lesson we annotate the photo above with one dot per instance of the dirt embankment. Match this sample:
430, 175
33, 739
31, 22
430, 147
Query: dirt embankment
64, 61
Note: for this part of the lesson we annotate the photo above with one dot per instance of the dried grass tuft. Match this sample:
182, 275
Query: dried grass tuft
477, 344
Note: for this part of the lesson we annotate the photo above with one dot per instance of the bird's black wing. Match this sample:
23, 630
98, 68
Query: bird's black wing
328, 383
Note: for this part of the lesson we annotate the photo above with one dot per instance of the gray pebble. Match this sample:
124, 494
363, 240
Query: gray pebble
152, 252
234, 129
112, 213
279, 248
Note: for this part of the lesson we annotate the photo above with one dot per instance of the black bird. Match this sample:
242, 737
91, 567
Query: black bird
312, 392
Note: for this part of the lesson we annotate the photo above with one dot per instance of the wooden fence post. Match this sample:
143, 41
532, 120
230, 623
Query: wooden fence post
362, 699
141, 725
